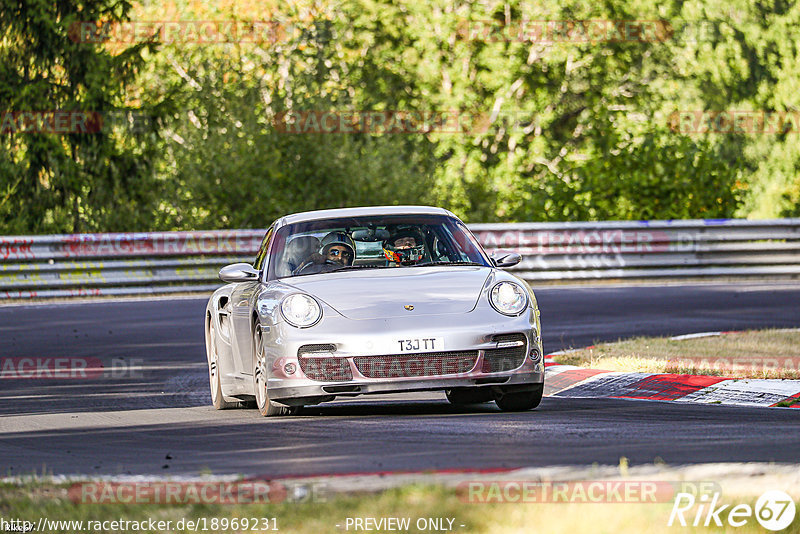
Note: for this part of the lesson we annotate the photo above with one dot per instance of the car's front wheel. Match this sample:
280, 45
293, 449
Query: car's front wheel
265, 406
514, 400
468, 395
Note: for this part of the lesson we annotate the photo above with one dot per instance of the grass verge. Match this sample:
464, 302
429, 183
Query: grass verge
426, 507
749, 354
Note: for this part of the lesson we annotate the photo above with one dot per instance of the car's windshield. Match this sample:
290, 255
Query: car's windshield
373, 242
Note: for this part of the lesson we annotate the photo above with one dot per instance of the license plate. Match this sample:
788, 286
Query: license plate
419, 344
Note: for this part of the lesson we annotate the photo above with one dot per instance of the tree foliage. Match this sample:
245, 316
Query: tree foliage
93, 178
560, 130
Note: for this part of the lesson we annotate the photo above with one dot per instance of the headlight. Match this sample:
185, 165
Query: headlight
508, 298
300, 310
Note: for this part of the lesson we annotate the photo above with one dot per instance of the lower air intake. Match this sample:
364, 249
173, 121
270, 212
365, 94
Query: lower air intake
505, 359
323, 368
413, 365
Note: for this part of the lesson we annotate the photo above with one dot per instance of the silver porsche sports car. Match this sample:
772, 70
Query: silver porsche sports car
358, 301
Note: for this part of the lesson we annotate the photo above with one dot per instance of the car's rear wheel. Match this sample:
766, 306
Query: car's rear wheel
514, 400
468, 395
265, 406
214, 379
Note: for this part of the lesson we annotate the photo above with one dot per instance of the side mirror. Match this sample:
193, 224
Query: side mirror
238, 272
505, 259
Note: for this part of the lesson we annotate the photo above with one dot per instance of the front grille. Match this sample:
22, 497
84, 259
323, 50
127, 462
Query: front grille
507, 359
325, 368
411, 365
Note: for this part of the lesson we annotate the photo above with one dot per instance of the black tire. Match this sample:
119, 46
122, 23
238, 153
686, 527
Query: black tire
515, 400
265, 407
460, 396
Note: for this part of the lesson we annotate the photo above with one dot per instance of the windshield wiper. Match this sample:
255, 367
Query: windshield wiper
429, 263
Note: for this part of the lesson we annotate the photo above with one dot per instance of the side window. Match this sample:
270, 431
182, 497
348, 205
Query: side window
452, 246
262, 250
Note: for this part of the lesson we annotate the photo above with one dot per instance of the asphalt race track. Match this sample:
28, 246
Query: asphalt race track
159, 421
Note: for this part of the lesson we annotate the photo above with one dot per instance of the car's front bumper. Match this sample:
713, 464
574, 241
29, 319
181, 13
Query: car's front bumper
314, 393
473, 331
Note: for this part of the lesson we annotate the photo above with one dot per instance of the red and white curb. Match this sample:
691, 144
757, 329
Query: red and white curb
571, 381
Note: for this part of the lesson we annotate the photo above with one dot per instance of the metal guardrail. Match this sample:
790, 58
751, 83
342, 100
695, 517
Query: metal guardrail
121, 263
649, 249
166, 262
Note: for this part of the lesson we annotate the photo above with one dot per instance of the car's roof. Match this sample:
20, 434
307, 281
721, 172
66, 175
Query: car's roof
360, 212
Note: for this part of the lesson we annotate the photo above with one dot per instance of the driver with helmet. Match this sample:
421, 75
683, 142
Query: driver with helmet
405, 246
337, 249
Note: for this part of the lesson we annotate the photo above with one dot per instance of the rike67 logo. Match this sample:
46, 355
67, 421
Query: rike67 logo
774, 510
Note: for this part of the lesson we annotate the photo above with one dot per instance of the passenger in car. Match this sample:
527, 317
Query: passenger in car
299, 251
336, 250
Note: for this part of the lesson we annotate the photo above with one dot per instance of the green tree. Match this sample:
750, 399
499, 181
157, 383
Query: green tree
230, 166
71, 182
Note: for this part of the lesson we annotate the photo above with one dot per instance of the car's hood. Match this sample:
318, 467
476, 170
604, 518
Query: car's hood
384, 293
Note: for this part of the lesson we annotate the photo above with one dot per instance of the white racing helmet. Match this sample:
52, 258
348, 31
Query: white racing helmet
341, 239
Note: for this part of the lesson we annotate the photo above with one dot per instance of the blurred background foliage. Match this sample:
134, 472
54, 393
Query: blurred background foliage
572, 130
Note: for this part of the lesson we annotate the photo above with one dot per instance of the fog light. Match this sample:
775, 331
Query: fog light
535, 355
290, 368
